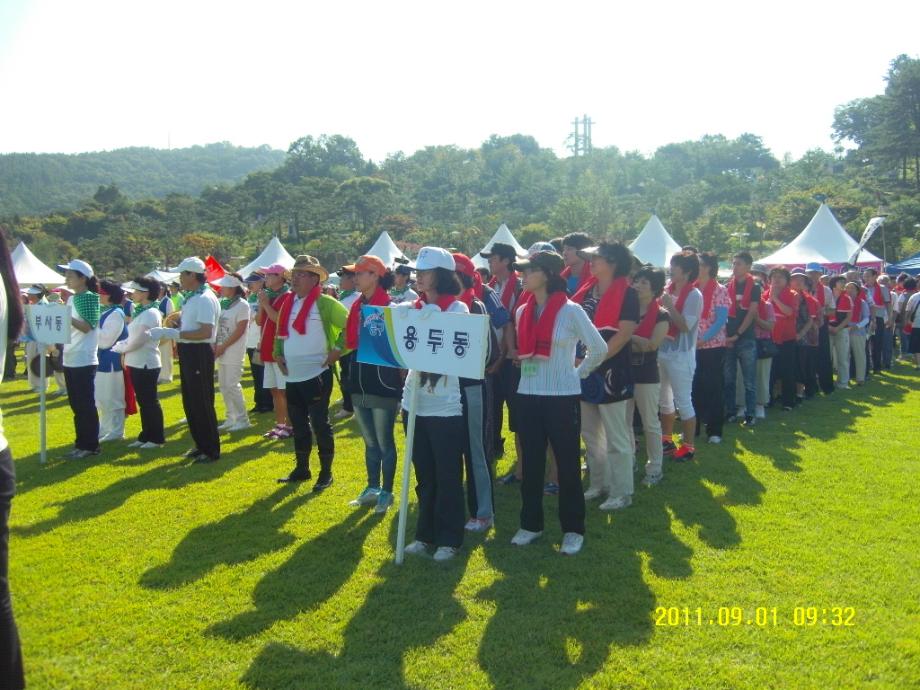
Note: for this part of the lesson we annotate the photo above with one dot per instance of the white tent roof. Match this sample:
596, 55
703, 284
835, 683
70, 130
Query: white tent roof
823, 240
386, 250
162, 276
30, 270
502, 236
274, 253
654, 245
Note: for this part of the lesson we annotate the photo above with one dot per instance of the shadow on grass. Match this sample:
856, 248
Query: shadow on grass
235, 539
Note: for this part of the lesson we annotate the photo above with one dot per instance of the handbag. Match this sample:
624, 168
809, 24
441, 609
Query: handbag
766, 348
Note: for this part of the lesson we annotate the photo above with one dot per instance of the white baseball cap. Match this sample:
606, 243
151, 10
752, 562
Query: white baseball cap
191, 264
229, 281
79, 266
434, 257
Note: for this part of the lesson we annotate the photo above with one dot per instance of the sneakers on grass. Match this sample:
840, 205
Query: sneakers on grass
368, 497
651, 479
617, 503
523, 537
417, 548
384, 501
478, 525
571, 543
445, 553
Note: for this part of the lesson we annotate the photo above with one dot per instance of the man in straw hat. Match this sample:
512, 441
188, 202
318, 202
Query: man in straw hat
310, 339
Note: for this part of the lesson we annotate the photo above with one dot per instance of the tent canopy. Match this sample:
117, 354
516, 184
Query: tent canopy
825, 241
654, 245
910, 265
274, 253
162, 276
30, 270
502, 236
386, 250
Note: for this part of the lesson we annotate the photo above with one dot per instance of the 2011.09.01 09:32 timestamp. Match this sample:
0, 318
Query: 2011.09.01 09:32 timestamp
760, 616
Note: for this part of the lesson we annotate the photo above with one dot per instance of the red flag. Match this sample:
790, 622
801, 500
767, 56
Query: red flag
213, 271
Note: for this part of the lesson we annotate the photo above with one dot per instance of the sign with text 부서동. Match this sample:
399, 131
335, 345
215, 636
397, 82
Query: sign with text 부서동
50, 323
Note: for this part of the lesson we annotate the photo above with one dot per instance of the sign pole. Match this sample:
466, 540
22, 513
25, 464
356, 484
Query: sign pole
43, 391
406, 478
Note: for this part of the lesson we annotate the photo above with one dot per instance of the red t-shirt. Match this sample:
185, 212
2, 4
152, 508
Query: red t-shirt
784, 330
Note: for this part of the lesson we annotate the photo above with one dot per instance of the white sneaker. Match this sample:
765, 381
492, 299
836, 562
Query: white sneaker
715, 439
368, 497
224, 425
478, 525
417, 548
184, 420
651, 479
105, 438
135, 444
342, 414
760, 412
239, 426
571, 543
525, 537
616, 503
445, 553
150, 444
591, 494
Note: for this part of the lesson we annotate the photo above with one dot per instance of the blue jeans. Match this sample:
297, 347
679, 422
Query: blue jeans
376, 425
744, 352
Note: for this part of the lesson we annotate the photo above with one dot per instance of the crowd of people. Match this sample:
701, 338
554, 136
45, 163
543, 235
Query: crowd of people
587, 347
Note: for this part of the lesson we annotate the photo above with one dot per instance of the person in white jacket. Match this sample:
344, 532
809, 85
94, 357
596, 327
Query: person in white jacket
230, 350
110, 377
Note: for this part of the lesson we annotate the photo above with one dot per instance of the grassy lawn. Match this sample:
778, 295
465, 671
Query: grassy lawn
137, 570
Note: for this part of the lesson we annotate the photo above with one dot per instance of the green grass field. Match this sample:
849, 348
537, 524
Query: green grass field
139, 570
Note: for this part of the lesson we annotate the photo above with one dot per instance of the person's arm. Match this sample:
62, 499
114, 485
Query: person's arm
618, 341
237, 333
204, 329
339, 317
748, 320
138, 335
80, 324
721, 318
652, 343
680, 323
591, 339
784, 308
110, 331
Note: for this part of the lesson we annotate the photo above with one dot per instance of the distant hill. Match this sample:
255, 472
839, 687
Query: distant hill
32, 183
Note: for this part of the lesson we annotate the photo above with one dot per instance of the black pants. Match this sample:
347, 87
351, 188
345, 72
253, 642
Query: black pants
11, 674
709, 389
145, 391
504, 385
436, 457
81, 394
806, 368
261, 397
824, 366
556, 420
344, 365
196, 361
785, 364
308, 410
877, 342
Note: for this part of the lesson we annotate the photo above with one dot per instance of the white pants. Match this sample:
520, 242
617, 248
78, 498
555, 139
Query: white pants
610, 450
761, 384
229, 376
645, 398
840, 349
858, 348
110, 399
166, 361
273, 377
676, 373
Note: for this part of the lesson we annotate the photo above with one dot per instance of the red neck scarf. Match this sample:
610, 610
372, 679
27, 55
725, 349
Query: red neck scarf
819, 294
583, 289
745, 298
708, 292
647, 322
673, 331
469, 294
535, 336
444, 301
380, 298
582, 277
607, 314
508, 291
300, 321
877, 296
856, 314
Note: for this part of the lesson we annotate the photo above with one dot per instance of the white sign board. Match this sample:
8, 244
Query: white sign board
50, 323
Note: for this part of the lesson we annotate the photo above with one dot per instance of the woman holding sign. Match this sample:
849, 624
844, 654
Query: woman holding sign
549, 327
439, 430
375, 390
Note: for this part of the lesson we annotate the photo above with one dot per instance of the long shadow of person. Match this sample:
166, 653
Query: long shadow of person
308, 578
237, 538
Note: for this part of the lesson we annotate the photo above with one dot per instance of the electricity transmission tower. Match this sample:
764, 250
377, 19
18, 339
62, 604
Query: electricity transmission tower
579, 141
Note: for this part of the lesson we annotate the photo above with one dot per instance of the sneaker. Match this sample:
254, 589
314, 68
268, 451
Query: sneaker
591, 494
296, 476
651, 480
368, 497
445, 553
80, 454
617, 503
550, 489
203, 459
571, 543
760, 412
342, 414
478, 525
523, 537
384, 501
787, 408
684, 454
192, 453
150, 444
135, 444
323, 482
732, 418
668, 447
239, 426
226, 424
111, 437
509, 479
748, 422
715, 439
417, 548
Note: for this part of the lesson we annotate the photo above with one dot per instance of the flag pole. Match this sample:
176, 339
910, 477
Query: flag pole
407, 463
41, 402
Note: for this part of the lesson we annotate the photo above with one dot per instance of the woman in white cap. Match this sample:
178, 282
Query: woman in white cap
166, 306
143, 360
439, 430
110, 377
230, 350
81, 355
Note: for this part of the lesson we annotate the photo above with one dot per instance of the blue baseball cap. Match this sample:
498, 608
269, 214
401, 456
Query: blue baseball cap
814, 266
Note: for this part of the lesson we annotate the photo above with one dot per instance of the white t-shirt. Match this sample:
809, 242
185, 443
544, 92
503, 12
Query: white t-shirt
305, 354
227, 323
142, 351
254, 331
199, 310
81, 351
351, 299
409, 295
911, 304
443, 398
684, 344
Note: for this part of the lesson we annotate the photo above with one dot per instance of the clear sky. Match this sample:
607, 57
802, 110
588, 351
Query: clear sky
86, 75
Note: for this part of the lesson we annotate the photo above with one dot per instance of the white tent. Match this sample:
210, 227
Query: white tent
386, 250
502, 236
654, 245
30, 270
162, 276
825, 241
274, 253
